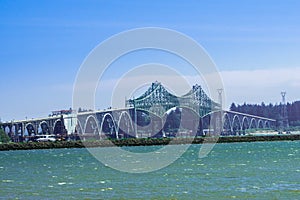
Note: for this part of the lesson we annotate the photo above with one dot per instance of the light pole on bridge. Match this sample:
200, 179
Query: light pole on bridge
220, 97
219, 121
285, 122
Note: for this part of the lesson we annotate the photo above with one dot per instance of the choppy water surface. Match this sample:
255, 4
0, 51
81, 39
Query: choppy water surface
261, 170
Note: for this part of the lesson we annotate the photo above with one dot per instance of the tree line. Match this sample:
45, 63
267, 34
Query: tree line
273, 111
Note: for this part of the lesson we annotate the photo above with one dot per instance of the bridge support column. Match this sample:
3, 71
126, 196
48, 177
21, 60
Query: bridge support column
135, 122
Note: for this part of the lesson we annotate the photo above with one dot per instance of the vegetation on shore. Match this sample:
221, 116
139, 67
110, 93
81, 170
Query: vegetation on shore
3, 137
272, 111
141, 142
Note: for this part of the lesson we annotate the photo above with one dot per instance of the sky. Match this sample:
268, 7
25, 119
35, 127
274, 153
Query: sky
254, 44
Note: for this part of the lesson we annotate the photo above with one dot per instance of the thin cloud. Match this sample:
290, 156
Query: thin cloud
256, 86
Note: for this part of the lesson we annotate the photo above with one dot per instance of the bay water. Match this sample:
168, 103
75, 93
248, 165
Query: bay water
258, 170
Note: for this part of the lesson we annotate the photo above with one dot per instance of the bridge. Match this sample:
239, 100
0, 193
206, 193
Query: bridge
59, 123
156, 113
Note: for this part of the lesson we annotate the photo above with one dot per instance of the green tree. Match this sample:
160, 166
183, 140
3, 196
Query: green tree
233, 107
4, 137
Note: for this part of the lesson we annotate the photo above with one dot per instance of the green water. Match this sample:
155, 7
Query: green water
261, 170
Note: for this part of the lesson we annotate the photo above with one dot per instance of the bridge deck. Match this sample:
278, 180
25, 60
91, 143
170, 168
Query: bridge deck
248, 115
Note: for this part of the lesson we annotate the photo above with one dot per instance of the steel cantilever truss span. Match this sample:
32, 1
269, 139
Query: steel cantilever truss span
159, 100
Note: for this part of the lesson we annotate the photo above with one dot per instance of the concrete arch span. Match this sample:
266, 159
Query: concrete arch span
58, 127
226, 124
125, 126
29, 127
91, 126
260, 124
236, 125
7, 129
253, 124
14, 129
267, 125
108, 126
245, 123
43, 128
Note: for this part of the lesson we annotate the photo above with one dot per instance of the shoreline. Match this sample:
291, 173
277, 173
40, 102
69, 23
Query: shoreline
144, 142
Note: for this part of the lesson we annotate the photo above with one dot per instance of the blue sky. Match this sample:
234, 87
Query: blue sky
43, 44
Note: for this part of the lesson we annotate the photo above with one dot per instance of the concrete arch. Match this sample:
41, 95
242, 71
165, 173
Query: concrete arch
124, 113
236, 119
113, 121
260, 124
226, 116
245, 120
40, 127
30, 131
7, 129
95, 120
267, 124
43, 122
13, 128
55, 126
55, 122
253, 123
25, 132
